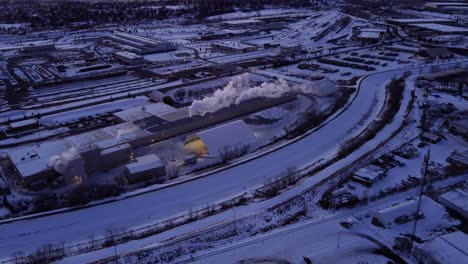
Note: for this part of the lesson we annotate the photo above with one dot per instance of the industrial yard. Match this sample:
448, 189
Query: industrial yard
195, 132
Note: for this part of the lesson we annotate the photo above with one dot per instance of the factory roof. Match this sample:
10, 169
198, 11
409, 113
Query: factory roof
128, 55
441, 28
408, 208
234, 134
457, 197
144, 163
177, 114
141, 112
233, 45
449, 248
115, 149
34, 159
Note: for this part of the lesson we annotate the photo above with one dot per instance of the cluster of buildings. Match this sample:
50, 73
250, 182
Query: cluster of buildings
447, 248
71, 159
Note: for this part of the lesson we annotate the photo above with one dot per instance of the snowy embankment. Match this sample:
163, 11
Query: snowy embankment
77, 226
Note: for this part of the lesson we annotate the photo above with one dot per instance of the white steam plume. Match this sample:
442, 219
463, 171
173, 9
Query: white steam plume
241, 89
62, 162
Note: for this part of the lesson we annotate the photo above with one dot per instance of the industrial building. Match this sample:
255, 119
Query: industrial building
141, 45
227, 137
242, 23
145, 167
402, 212
456, 200
232, 47
450, 248
371, 35
129, 58
106, 147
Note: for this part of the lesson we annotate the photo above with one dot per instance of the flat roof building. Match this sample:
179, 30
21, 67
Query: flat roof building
456, 200
129, 57
145, 168
450, 248
233, 47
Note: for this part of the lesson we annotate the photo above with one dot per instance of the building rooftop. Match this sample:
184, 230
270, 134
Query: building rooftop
457, 197
141, 112
144, 163
450, 248
441, 28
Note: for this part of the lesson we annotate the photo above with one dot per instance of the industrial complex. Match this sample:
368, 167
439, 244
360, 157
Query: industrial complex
244, 131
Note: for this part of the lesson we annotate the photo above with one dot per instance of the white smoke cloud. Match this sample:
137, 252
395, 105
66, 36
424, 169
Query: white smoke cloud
63, 161
124, 131
241, 89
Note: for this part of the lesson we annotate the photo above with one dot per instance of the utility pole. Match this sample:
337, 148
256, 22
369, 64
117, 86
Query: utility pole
424, 167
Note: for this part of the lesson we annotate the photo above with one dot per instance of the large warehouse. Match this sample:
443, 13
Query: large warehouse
141, 45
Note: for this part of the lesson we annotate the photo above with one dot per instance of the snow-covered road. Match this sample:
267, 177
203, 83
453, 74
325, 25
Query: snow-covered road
79, 225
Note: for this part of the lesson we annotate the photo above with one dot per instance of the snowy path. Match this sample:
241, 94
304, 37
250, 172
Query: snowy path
141, 210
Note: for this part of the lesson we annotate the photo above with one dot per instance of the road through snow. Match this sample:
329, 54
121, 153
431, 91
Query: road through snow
76, 226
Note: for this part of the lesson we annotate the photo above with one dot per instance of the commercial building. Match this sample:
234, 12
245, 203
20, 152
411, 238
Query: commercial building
456, 200
129, 58
145, 168
228, 137
450, 248
232, 47
402, 212
141, 45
